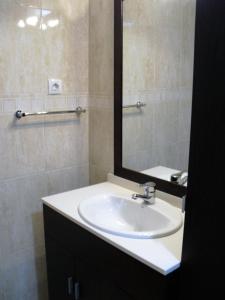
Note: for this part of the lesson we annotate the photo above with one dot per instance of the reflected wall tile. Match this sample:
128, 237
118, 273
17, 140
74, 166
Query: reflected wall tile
137, 129
183, 154
165, 40
141, 52
165, 122
167, 14
131, 162
184, 120
141, 12
1, 106
188, 39
150, 97
2, 295
168, 60
2, 278
158, 130
131, 97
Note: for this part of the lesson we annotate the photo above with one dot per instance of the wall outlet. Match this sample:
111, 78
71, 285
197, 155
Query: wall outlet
54, 86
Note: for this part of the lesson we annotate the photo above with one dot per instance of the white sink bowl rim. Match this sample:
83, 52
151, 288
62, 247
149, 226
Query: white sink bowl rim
130, 218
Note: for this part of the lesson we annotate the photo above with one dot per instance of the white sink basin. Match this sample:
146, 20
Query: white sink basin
130, 218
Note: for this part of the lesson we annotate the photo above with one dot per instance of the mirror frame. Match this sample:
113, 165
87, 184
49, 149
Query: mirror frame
119, 170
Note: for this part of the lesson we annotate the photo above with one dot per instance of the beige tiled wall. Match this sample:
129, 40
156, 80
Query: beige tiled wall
101, 89
158, 70
38, 155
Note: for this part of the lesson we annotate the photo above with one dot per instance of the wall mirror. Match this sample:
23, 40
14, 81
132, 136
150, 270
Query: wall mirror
154, 66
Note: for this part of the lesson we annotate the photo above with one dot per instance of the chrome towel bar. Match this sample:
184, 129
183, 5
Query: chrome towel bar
139, 104
19, 114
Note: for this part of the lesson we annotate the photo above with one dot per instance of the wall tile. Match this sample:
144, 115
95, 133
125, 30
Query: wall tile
9, 105
68, 179
21, 213
98, 173
188, 39
66, 141
72, 102
37, 152
101, 52
2, 290
83, 101
101, 89
19, 141
21, 275
55, 103
101, 136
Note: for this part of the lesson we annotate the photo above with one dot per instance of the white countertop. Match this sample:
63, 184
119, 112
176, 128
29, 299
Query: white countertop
161, 254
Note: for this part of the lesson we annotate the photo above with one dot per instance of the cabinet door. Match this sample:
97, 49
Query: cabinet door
89, 281
60, 267
95, 284
110, 291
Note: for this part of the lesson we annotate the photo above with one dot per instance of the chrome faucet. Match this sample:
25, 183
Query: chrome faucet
179, 178
149, 193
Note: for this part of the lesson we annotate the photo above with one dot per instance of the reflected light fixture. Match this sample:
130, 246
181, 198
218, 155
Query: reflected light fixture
53, 23
32, 21
21, 24
43, 26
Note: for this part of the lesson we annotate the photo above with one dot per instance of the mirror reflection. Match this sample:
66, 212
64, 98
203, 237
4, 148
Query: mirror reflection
158, 58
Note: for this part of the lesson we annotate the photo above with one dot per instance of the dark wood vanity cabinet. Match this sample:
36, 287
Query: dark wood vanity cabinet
60, 271
81, 266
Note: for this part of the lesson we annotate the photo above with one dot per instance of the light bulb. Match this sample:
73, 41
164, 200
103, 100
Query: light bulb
53, 23
43, 26
32, 21
21, 24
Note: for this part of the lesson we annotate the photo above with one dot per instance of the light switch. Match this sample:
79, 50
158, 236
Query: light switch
55, 86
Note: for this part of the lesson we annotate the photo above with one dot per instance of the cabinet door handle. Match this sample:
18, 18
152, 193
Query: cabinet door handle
77, 291
70, 286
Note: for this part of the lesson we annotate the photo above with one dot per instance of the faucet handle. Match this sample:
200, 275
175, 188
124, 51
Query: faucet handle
148, 184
